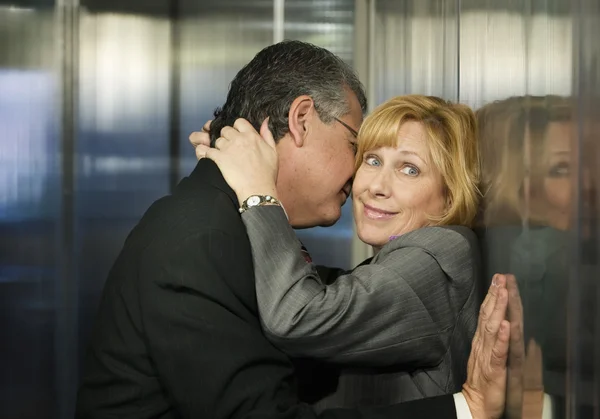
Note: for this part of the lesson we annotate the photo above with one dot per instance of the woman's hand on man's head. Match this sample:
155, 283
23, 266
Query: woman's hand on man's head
201, 140
248, 160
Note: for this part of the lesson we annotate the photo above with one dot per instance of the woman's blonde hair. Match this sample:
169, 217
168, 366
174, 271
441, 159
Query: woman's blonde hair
452, 142
513, 135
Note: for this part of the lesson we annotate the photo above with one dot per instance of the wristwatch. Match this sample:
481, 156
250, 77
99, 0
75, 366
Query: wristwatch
258, 201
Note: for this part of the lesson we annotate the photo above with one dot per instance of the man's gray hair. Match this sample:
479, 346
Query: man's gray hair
267, 86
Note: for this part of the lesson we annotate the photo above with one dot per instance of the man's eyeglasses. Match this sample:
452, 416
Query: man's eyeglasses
353, 132
348, 127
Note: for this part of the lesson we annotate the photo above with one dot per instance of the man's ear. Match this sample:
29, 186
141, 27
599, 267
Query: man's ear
301, 111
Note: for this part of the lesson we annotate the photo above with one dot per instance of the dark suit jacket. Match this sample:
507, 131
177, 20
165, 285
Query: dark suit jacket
177, 334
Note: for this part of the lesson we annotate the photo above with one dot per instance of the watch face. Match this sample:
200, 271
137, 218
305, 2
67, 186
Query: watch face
253, 201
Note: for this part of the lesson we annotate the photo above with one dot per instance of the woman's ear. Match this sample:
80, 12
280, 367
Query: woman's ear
447, 200
301, 112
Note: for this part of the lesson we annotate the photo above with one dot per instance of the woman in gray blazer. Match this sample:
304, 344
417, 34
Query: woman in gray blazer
413, 307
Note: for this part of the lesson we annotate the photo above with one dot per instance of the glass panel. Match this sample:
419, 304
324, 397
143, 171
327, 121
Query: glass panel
329, 24
516, 63
521, 48
122, 142
415, 49
216, 41
583, 398
516, 67
96, 106
30, 213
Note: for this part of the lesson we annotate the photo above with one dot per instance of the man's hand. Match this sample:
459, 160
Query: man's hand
485, 389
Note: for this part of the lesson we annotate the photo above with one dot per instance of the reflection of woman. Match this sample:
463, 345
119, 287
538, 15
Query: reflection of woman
414, 305
526, 149
528, 161
526, 156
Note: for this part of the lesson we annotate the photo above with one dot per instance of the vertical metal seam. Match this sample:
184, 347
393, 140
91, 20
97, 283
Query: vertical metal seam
371, 86
174, 96
67, 314
363, 59
278, 21
458, 47
572, 304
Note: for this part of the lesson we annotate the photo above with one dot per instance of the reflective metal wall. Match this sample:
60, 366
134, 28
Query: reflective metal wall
583, 290
415, 48
97, 99
329, 24
530, 69
31, 197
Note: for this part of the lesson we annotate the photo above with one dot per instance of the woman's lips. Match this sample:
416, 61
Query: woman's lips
373, 213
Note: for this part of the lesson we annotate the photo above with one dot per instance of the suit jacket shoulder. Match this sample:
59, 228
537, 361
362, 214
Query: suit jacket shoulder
454, 248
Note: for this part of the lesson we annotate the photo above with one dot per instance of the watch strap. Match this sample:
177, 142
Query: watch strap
258, 201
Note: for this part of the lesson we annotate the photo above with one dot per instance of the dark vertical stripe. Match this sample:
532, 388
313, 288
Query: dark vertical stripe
66, 337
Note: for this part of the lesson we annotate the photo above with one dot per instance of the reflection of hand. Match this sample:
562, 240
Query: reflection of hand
533, 383
525, 395
485, 389
248, 160
201, 140
516, 355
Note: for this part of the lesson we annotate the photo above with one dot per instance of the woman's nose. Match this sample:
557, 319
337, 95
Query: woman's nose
380, 184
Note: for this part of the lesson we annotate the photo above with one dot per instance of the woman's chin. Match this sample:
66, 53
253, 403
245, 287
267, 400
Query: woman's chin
374, 240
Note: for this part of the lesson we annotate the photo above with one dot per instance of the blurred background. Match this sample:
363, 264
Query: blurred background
98, 97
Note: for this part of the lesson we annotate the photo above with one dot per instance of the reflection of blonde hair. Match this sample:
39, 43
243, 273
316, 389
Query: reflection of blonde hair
513, 140
452, 142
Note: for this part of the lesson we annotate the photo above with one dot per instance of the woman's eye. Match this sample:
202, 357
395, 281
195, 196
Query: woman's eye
372, 161
410, 170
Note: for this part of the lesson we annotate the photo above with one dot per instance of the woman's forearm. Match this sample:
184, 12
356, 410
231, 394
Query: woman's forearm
369, 317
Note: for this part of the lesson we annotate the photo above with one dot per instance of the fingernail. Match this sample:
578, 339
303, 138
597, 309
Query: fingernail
393, 237
495, 280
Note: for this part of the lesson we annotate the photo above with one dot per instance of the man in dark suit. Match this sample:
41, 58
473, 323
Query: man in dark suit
177, 333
